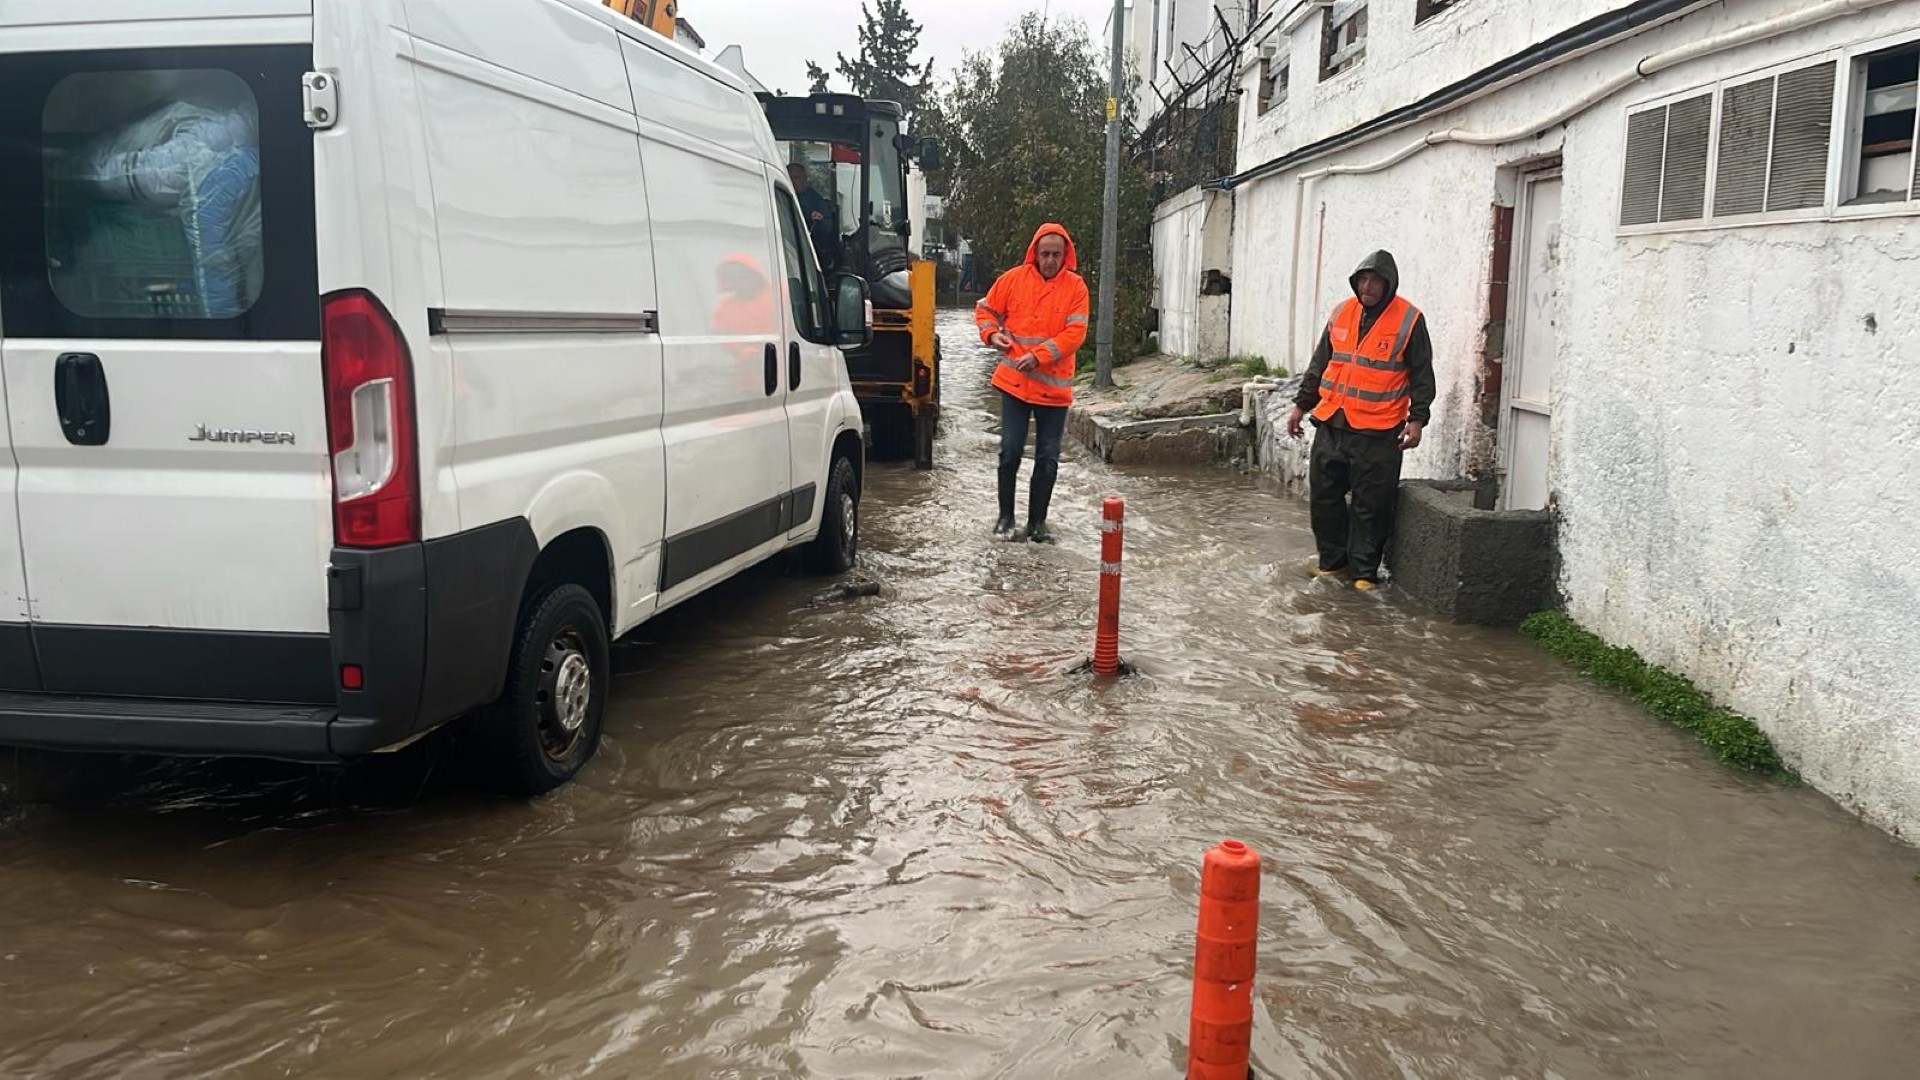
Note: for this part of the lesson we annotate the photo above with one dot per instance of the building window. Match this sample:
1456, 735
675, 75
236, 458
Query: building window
1775, 137
1427, 9
1343, 40
1880, 160
1666, 174
1273, 83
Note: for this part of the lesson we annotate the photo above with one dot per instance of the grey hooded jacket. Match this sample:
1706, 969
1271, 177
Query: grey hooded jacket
1419, 356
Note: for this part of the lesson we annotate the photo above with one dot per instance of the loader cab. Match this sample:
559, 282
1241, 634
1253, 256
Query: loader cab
856, 158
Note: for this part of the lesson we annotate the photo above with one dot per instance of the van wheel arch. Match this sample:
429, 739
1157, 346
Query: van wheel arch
580, 557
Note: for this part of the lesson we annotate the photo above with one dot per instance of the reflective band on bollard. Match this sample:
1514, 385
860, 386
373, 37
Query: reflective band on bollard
1220, 1031
1106, 640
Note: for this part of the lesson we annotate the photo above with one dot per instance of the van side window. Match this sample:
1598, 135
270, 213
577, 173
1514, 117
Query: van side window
806, 287
152, 194
158, 194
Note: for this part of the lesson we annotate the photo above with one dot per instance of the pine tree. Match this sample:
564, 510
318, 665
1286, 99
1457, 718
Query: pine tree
884, 67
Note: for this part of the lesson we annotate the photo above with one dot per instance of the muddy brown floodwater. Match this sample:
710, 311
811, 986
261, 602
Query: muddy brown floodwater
898, 837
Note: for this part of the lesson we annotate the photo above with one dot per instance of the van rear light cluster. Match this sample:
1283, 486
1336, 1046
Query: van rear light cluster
370, 423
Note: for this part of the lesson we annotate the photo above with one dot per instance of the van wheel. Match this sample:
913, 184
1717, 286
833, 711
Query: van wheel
834, 550
546, 726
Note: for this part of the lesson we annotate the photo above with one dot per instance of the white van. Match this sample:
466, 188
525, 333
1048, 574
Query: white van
370, 364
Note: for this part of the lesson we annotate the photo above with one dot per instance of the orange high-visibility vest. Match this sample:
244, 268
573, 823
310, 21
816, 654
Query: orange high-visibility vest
1368, 378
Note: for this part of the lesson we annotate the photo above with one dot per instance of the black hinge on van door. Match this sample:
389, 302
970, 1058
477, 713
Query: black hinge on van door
80, 395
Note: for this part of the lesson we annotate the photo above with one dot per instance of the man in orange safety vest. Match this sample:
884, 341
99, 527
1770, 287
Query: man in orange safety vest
1370, 390
1036, 317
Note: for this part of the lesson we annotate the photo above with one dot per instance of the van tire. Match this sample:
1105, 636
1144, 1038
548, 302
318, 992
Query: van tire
838, 545
546, 726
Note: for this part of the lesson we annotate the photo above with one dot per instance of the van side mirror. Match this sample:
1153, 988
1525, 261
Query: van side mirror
929, 155
852, 314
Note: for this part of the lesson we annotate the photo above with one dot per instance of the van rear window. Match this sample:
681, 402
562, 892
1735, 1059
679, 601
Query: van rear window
157, 194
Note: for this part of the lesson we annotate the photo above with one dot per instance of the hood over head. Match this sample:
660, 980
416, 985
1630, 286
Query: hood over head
1380, 262
1053, 229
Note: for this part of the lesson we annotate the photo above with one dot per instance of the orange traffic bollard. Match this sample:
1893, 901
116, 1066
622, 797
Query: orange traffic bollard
1220, 1033
1106, 640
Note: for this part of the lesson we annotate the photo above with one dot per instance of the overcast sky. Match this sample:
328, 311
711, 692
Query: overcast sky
779, 40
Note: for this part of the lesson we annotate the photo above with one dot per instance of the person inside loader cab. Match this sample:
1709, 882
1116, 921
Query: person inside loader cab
1036, 317
822, 221
1370, 391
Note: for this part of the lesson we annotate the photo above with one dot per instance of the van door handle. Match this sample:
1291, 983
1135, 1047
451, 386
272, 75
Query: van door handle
773, 368
793, 365
80, 396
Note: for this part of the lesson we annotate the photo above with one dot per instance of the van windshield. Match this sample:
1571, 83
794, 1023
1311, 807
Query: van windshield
146, 197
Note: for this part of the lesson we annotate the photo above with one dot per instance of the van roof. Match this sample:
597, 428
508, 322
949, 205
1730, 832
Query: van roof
632, 30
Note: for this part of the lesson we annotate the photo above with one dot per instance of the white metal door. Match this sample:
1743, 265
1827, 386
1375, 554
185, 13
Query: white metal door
1526, 392
161, 363
809, 371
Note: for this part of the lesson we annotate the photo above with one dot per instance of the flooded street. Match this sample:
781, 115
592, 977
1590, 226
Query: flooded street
899, 837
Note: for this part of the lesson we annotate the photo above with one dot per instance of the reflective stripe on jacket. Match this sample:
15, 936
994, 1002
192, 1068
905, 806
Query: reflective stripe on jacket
1047, 319
1368, 377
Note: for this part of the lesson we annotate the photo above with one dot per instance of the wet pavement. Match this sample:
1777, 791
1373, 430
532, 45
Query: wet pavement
898, 837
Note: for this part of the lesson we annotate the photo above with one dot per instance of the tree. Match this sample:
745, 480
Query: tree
816, 78
884, 66
1025, 136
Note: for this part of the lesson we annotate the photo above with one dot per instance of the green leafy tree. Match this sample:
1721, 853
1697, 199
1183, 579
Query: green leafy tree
1025, 136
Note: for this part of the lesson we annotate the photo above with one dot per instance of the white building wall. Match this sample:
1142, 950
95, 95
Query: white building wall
1178, 232
1736, 429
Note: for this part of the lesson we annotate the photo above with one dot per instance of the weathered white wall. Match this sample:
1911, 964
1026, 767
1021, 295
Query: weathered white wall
1736, 450
1178, 232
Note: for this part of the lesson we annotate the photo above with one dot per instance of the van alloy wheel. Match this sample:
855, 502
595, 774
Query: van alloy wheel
849, 520
565, 695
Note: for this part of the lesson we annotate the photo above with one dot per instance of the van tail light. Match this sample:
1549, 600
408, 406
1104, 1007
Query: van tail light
370, 423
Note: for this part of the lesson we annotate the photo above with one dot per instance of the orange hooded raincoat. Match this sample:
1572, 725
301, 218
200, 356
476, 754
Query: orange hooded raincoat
1046, 319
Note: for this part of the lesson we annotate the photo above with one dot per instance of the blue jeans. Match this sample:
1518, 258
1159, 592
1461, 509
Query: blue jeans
1050, 426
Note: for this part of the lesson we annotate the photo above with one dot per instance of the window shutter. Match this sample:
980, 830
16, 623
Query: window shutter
1802, 136
1646, 146
1683, 187
1746, 123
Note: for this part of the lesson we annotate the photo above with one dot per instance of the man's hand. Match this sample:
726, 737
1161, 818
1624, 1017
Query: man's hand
817, 216
1294, 430
1028, 362
1001, 341
1410, 435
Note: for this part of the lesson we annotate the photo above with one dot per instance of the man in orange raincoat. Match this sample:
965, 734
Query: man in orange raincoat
1036, 317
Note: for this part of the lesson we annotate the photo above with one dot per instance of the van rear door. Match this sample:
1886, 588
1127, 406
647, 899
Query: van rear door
161, 357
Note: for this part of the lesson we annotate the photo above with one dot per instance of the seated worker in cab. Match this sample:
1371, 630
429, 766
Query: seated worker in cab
820, 215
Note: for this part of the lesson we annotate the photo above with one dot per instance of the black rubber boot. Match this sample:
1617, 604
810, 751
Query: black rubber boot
1009, 478
1039, 499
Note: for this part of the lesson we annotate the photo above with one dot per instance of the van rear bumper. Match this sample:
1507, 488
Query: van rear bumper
191, 728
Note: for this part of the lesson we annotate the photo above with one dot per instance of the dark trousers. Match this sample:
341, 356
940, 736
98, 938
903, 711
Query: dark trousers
1050, 424
1365, 467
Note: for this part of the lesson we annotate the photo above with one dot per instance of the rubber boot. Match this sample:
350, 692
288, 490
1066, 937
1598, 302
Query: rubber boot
1044, 473
1009, 478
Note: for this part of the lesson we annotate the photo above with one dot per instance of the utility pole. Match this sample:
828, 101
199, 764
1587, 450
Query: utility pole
1110, 215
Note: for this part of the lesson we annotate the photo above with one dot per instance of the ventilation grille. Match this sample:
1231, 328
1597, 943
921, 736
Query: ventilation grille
1802, 134
1746, 123
1683, 187
1646, 147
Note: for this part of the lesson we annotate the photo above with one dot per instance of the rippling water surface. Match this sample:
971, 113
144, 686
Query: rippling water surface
899, 837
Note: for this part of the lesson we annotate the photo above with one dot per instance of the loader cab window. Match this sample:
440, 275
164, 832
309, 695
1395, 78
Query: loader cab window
157, 193
886, 211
